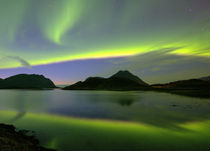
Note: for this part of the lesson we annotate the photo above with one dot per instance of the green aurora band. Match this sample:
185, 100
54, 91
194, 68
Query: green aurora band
51, 31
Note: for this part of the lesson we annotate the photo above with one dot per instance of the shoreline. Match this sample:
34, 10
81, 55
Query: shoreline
197, 93
12, 139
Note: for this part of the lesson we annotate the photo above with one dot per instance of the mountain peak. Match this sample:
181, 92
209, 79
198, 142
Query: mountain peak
125, 74
122, 72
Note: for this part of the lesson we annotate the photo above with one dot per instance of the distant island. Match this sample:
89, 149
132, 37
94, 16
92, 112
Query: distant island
26, 81
125, 81
13, 140
122, 80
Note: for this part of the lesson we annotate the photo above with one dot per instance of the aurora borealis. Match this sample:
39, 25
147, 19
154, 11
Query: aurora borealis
68, 40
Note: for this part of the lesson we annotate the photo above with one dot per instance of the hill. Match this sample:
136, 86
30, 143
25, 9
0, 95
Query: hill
26, 81
127, 75
205, 78
191, 87
122, 80
185, 84
1, 80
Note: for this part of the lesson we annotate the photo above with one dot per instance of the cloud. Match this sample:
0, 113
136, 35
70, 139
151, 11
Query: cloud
163, 66
23, 62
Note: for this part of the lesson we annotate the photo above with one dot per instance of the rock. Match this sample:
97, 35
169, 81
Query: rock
12, 140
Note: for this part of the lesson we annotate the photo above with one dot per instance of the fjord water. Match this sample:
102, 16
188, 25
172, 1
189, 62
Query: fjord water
109, 120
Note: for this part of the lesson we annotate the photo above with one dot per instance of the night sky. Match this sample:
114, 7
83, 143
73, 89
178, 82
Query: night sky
69, 40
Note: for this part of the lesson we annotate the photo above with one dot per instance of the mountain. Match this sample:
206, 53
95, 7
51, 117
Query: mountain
26, 81
122, 80
205, 78
185, 84
127, 75
192, 87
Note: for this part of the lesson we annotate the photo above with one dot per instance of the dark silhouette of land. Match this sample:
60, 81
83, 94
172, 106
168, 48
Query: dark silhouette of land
205, 78
25, 81
122, 80
191, 87
185, 84
127, 75
12, 140
125, 81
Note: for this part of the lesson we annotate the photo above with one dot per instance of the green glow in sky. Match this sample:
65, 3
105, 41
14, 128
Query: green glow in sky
44, 32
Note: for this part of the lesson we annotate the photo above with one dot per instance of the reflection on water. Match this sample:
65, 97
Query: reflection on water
20, 105
126, 102
19, 101
66, 134
160, 109
18, 116
85, 119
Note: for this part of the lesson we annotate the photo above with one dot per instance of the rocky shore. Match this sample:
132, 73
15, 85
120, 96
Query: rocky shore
13, 140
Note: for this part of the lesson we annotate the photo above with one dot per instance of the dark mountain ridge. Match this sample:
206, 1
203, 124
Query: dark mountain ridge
185, 84
192, 87
122, 80
127, 75
205, 78
26, 81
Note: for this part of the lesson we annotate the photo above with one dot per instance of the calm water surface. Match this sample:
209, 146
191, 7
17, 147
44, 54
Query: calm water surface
104, 120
